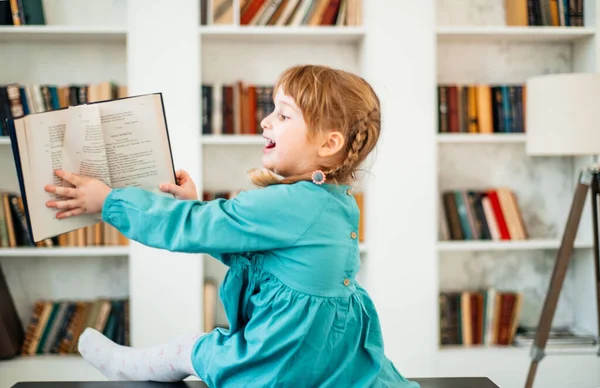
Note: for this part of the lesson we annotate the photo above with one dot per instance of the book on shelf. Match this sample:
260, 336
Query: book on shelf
217, 12
14, 231
208, 195
17, 100
22, 13
491, 214
212, 304
211, 298
56, 325
235, 108
556, 13
479, 317
123, 142
282, 12
12, 332
481, 108
557, 337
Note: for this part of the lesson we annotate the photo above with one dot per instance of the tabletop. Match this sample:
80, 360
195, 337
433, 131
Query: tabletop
442, 382
456, 382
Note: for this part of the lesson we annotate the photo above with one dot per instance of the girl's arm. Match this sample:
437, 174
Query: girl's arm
261, 219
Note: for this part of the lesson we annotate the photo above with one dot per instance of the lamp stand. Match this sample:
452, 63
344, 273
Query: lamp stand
589, 178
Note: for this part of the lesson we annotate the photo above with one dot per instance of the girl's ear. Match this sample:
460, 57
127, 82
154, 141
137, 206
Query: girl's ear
331, 143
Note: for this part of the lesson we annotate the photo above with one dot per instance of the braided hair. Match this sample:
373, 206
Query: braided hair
362, 132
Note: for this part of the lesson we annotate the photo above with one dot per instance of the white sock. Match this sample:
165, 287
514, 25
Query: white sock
164, 363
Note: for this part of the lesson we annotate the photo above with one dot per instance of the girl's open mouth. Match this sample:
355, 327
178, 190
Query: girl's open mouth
270, 143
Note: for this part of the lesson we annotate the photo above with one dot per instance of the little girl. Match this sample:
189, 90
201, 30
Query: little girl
297, 316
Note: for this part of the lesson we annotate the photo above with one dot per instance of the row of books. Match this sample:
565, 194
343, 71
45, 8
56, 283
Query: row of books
282, 12
481, 108
235, 109
22, 13
55, 326
100, 234
13, 229
558, 13
492, 214
557, 337
17, 100
300, 12
13, 224
479, 317
209, 195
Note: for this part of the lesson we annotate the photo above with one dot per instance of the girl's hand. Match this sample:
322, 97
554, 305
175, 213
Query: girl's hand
87, 196
185, 187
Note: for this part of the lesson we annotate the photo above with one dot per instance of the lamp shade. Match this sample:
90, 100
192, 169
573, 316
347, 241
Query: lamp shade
563, 114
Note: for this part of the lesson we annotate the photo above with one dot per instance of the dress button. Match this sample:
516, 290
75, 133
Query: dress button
349, 192
353, 235
346, 282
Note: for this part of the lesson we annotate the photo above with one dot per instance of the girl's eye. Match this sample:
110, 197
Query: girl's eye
282, 117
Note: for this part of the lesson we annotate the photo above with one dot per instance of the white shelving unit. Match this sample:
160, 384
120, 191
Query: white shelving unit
223, 48
108, 251
63, 34
275, 34
47, 368
79, 45
514, 363
524, 245
480, 138
474, 46
190, 54
536, 34
233, 139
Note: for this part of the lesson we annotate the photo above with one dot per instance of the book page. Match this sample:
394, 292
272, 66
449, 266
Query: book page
137, 146
83, 150
132, 150
40, 141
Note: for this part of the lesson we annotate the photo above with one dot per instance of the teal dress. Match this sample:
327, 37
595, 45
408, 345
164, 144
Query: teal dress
297, 316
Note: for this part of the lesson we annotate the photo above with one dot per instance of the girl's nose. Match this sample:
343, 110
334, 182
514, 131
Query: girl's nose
265, 124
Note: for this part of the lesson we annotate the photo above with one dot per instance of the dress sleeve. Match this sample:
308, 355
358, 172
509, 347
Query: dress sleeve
256, 220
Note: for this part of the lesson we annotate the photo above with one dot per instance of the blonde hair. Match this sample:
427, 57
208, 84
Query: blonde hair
331, 99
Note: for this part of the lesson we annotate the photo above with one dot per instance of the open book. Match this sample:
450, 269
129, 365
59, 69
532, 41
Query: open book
123, 142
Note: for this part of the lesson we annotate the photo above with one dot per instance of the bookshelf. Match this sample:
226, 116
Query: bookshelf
222, 48
124, 49
78, 45
475, 46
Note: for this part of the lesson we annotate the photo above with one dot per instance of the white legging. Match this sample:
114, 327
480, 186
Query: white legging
168, 362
